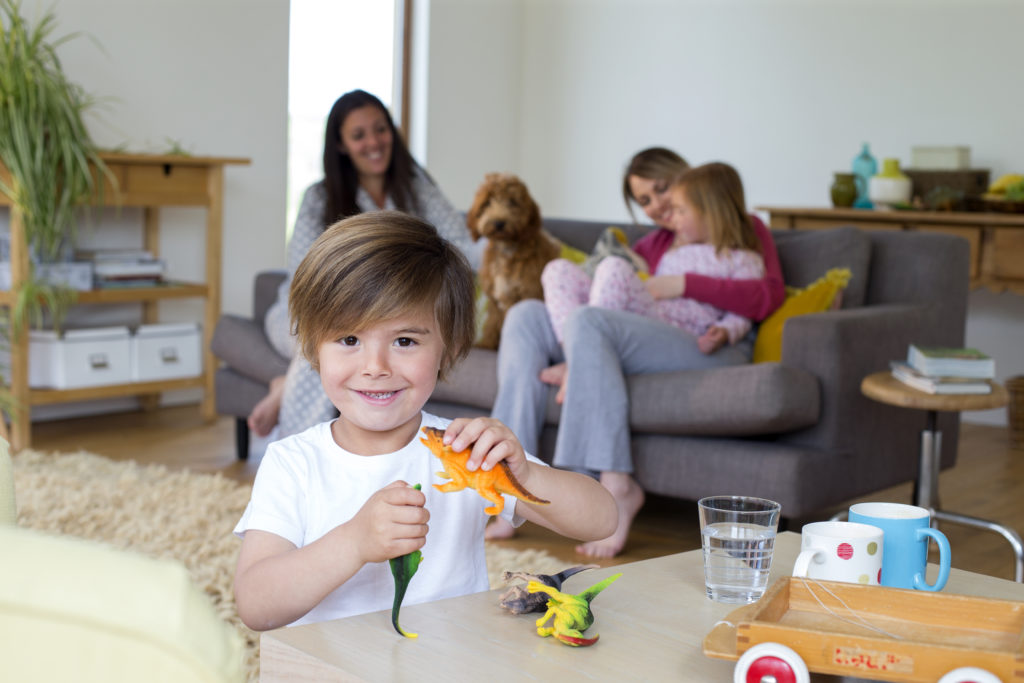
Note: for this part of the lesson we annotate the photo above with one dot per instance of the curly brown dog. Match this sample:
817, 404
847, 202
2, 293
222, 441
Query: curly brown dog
517, 248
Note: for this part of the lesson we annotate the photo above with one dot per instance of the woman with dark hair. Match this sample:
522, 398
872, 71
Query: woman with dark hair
367, 167
602, 346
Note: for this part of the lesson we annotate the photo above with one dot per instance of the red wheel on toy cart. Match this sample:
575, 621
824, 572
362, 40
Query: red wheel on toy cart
969, 674
770, 662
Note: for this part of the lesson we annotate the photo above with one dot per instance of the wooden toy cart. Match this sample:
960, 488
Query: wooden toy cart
872, 632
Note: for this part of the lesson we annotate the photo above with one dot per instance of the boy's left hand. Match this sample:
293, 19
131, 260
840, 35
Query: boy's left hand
492, 442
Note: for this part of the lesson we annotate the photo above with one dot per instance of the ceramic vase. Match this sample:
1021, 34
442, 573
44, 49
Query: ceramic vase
844, 190
890, 187
864, 167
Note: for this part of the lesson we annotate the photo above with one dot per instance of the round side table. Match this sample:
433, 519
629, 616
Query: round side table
884, 388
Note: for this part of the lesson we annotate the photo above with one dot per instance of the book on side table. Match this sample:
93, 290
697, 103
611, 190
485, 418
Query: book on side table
946, 362
937, 384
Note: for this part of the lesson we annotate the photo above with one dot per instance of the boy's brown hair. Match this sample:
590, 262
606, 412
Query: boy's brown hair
374, 267
716, 192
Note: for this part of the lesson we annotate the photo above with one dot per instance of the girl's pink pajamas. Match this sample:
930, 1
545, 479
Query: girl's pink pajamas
616, 285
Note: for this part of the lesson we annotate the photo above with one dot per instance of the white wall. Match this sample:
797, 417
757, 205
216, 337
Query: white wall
467, 104
211, 75
564, 91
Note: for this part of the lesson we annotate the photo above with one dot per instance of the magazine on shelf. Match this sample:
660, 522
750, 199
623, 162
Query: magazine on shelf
123, 255
938, 385
117, 269
948, 362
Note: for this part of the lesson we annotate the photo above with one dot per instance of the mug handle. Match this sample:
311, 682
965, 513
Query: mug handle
943, 543
803, 561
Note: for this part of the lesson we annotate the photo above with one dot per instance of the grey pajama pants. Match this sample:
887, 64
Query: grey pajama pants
601, 348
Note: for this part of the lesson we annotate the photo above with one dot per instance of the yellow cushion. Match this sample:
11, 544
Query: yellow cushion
816, 297
572, 254
74, 610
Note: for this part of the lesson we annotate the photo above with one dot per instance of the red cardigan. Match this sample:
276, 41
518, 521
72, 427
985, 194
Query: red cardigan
754, 299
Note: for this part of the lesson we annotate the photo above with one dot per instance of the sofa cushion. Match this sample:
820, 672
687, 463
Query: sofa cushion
766, 398
805, 255
583, 235
740, 400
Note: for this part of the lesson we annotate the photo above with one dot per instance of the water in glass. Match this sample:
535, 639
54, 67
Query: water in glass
737, 558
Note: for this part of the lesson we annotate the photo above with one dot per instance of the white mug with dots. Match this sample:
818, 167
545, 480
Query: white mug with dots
840, 551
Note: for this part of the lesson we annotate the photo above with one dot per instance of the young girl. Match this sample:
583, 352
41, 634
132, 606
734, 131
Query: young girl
713, 237
383, 308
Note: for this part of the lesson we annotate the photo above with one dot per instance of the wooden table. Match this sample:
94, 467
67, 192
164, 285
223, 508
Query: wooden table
996, 239
652, 623
884, 388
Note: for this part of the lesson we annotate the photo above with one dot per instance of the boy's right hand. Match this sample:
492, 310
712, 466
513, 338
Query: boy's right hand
392, 522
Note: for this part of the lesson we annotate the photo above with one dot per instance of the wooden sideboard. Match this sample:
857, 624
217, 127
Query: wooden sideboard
996, 239
150, 182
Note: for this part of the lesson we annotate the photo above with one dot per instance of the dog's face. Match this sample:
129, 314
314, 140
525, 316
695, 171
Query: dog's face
503, 210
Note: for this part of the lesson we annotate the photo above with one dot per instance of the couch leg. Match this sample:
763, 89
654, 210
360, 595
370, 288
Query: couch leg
242, 438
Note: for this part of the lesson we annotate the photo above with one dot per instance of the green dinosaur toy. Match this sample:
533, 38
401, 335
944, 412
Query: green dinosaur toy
402, 568
570, 613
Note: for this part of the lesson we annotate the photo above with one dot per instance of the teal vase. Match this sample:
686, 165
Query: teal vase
864, 167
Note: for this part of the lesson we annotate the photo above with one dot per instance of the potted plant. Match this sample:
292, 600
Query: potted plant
47, 151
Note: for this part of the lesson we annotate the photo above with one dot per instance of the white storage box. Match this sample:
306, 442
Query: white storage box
940, 158
166, 352
81, 358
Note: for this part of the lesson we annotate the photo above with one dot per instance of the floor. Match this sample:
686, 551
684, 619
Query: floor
988, 481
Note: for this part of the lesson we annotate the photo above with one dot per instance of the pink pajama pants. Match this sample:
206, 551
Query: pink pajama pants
615, 286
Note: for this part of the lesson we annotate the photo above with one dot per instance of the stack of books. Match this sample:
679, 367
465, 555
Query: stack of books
123, 267
946, 371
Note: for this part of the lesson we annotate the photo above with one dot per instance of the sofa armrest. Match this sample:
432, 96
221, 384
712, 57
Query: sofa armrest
841, 348
264, 292
242, 344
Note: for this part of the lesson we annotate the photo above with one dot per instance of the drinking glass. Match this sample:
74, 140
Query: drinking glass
738, 536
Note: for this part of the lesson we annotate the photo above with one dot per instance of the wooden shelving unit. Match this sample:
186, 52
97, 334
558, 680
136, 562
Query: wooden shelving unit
150, 182
996, 239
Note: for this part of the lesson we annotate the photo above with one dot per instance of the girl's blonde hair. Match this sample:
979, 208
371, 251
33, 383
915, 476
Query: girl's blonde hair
377, 266
715, 191
653, 163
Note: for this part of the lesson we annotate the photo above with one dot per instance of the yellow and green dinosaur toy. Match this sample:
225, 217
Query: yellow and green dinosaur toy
570, 614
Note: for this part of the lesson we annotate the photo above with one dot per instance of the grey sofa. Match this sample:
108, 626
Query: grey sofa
798, 431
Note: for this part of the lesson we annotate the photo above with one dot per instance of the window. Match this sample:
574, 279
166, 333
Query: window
334, 46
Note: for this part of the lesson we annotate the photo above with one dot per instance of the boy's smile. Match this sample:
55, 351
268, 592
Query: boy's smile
379, 378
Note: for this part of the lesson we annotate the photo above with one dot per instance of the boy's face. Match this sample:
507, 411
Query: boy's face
379, 378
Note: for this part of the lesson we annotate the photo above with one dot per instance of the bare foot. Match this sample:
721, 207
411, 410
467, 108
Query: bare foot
629, 497
499, 529
263, 417
556, 375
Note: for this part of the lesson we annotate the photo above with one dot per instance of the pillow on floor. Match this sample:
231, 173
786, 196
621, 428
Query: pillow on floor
823, 294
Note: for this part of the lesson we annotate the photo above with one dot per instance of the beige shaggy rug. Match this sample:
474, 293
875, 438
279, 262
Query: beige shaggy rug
173, 514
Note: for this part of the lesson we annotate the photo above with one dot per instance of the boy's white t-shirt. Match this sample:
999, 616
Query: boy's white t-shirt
307, 485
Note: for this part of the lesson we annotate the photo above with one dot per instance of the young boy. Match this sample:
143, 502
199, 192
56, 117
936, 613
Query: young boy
383, 308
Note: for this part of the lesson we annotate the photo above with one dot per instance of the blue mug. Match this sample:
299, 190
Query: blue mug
905, 544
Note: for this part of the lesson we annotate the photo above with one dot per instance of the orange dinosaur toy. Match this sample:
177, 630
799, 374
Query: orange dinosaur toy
490, 484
